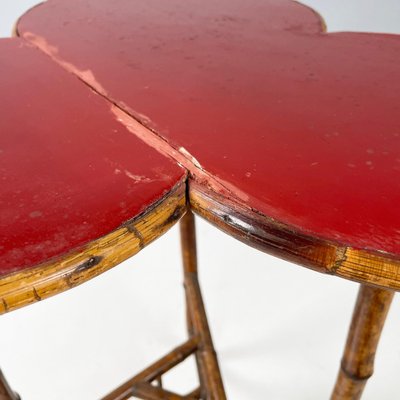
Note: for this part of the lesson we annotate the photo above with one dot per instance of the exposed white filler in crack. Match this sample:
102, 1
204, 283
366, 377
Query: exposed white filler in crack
190, 157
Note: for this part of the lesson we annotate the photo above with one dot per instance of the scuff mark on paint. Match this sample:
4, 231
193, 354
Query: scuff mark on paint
182, 156
137, 178
35, 214
86, 76
233, 189
146, 135
142, 118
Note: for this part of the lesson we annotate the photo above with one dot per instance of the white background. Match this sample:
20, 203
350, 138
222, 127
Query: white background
279, 329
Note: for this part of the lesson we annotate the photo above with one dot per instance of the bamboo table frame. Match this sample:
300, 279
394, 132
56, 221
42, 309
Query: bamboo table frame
357, 365
199, 342
207, 190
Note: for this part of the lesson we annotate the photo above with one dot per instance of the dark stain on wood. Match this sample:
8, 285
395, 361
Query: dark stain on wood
262, 232
175, 216
36, 295
91, 262
5, 305
131, 228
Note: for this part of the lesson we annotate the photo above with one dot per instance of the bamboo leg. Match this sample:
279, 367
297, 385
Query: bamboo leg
191, 333
210, 375
155, 371
357, 364
189, 261
200, 342
5, 391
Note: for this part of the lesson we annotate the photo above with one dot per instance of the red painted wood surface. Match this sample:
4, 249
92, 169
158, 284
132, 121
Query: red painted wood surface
70, 172
300, 125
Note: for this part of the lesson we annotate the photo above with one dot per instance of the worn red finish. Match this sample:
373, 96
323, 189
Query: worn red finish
70, 172
299, 125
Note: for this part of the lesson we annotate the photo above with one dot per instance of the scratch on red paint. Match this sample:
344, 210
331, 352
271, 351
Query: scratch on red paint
182, 156
86, 76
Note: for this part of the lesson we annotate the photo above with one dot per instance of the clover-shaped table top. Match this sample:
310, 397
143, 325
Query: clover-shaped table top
290, 135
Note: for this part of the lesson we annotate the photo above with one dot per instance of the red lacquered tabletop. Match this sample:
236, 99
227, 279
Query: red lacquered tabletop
290, 136
297, 124
70, 172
